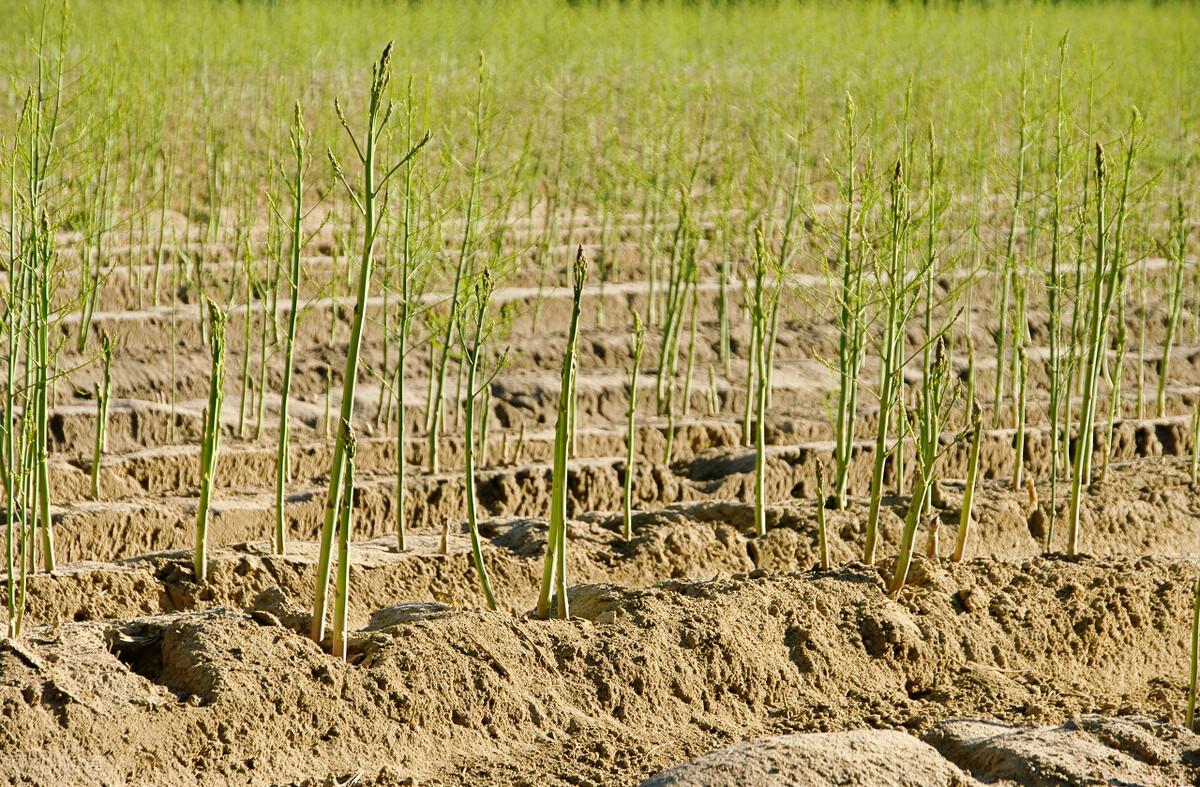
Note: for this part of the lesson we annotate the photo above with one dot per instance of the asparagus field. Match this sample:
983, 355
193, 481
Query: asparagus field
674, 393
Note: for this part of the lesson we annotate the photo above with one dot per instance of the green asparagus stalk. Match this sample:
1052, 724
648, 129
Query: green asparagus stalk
1177, 249
211, 440
554, 570
759, 322
472, 350
103, 391
638, 345
365, 200
341, 602
928, 449
891, 360
295, 185
850, 334
822, 530
1104, 289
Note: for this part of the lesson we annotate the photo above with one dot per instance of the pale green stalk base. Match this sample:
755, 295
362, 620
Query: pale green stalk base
822, 534
639, 334
211, 440
469, 443
554, 568
341, 601
103, 395
911, 519
760, 354
283, 456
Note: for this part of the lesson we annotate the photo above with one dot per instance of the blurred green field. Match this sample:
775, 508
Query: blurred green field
599, 102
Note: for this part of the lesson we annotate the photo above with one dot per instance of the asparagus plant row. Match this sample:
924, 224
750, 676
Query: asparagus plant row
884, 234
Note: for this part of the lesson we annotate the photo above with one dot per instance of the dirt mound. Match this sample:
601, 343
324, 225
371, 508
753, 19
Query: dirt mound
1089, 750
640, 680
864, 758
1141, 509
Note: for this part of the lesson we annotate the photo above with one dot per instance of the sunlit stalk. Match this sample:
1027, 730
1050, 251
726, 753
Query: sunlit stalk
638, 344
365, 201
554, 569
211, 440
341, 601
103, 391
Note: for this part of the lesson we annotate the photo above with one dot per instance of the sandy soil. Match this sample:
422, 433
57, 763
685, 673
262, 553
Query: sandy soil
698, 652
640, 678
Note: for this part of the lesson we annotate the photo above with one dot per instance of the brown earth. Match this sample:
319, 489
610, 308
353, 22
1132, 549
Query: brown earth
696, 643
637, 680
1088, 750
